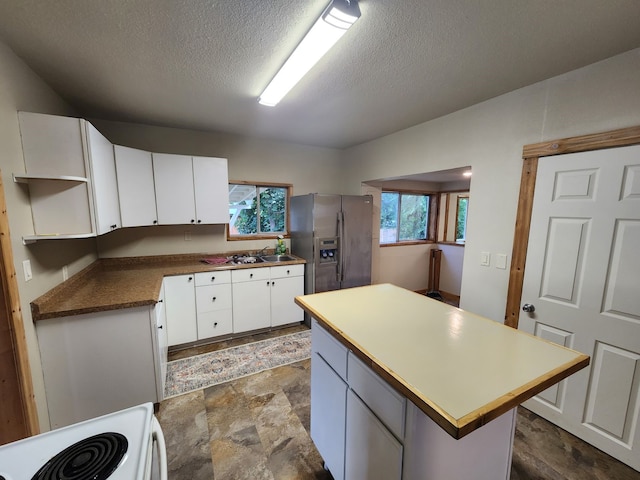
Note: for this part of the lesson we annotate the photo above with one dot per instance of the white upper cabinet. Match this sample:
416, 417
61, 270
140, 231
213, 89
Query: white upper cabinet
81, 185
191, 190
70, 171
103, 180
136, 189
173, 176
211, 185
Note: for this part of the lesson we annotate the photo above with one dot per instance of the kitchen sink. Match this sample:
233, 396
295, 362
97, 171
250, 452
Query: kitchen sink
245, 259
278, 258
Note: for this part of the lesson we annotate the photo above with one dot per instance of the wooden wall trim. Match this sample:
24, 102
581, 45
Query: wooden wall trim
530, 154
583, 143
520, 241
16, 322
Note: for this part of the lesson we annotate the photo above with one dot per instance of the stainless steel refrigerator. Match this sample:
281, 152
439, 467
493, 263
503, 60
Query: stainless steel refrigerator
333, 234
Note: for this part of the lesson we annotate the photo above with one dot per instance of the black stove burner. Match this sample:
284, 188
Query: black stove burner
94, 458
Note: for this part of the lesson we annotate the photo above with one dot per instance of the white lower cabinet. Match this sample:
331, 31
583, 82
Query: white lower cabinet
287, 282
180, 304
161, 344
264, 297
211, 304
214, 304
328, 415
98, 363
371, 451
251, 299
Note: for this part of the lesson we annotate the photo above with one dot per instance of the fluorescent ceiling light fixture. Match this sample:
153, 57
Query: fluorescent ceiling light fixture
467, 173
332, 24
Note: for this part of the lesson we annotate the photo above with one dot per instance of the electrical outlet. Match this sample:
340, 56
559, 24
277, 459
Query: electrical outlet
187, 236
26, 266
501, 261
65, 273
485, 259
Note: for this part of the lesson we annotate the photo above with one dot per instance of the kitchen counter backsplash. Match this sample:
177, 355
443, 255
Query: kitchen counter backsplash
115, 283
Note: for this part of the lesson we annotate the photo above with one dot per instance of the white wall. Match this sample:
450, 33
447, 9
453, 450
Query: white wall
489, 137
21, 89
308, 169
451, 268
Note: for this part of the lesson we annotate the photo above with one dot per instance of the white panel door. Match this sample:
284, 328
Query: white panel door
135, 187
583, 279
211, 184
173, 178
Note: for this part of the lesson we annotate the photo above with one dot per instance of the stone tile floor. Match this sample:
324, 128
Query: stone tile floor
257, 428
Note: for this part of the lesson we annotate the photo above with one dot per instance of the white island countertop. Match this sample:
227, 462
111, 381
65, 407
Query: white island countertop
460, 369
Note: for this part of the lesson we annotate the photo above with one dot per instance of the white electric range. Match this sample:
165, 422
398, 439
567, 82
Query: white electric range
124, 445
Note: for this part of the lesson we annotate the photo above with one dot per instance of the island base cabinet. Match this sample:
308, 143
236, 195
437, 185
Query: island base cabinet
371, 451
431, 453
328, 415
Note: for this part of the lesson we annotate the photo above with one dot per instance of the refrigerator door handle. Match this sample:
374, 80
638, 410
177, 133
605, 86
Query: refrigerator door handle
339, 274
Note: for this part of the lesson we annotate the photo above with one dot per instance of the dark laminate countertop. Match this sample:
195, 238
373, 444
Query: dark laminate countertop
114, 283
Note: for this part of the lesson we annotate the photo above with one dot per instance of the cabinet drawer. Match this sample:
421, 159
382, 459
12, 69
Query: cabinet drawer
249, 274
213, 278
213, 297
332, 351
388, 405
287, 271
214, 324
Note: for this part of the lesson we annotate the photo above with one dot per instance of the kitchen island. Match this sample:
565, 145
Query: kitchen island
406, 387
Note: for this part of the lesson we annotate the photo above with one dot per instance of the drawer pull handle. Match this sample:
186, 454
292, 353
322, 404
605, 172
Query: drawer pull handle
214, 299
287, 272
213, 278
215, 324
251, 275
190, 278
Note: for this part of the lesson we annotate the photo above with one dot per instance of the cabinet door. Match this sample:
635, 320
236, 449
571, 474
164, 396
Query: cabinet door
251, 309
211, 185
161, 344
52, 145
371, 451
180, 304
328, 415
103, 181
136, 191
283, 308
173, 178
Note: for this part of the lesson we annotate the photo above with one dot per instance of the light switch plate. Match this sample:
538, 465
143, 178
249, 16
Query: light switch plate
26, 266
485, 259
501, 261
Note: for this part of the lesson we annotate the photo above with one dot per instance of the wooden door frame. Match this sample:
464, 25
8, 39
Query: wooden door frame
530, 155
27, 425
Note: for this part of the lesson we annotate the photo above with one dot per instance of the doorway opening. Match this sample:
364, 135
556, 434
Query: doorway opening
433, 263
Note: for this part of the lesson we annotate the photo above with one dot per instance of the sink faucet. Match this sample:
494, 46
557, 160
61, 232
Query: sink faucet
261, 252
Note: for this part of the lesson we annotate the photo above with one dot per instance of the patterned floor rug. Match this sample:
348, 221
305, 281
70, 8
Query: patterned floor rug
201, 371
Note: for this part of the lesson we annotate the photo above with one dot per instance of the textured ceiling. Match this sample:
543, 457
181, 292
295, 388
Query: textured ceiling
201, 64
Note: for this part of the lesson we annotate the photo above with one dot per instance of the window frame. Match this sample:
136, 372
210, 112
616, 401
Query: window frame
270, 235
466, 217
431, 220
